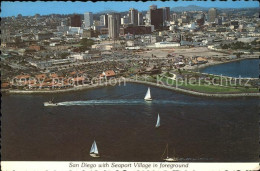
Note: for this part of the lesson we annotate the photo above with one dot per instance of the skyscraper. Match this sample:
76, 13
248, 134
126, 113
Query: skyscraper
140, 19
114, 25
174, 17
166, 13
104, 20
133, 16
88, 19
212, 14
75, 21
156, 16
124, 20
153, 7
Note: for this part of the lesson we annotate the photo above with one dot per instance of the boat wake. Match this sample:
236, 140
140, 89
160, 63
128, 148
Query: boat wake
120, 102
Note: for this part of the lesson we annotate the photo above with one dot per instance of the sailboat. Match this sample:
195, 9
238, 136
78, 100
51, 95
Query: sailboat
148, 96
94, 150
168, 159
158, 122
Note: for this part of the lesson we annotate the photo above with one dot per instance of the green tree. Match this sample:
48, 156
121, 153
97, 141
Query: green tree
64, 55
86, 44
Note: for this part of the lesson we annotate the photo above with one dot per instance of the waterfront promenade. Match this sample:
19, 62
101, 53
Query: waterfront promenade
122, 81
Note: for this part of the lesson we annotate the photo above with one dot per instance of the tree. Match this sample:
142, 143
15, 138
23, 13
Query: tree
86, 43
64, 55
253, 42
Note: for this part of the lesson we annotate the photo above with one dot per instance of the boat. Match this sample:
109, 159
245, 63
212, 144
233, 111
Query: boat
50, 103
94, 150
168, 159
158, 122
148, 96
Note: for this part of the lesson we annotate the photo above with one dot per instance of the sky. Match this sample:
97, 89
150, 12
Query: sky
55, 7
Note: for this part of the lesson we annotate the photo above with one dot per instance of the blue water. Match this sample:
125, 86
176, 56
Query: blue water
248, 68
197, 129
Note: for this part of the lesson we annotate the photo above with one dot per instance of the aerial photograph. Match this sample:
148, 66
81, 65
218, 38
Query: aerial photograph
152, 82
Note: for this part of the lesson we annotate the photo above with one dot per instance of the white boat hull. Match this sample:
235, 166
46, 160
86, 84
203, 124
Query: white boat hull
170, 159
94, 155
50, 104
148, 99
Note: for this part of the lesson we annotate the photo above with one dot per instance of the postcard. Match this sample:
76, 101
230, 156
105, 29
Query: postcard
130, 85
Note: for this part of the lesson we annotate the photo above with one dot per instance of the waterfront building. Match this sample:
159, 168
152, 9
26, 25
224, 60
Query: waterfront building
88, 19
114, 25
166, 44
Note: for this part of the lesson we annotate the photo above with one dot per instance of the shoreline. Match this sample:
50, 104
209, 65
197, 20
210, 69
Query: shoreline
189, 92
79, 88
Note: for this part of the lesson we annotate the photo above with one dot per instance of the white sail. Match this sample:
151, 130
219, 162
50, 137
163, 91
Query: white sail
158, 121
148, 95
94, 148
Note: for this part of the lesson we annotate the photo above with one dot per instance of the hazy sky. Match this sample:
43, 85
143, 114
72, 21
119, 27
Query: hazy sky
43, 8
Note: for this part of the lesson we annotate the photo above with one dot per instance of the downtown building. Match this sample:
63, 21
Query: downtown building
212, 14
166, 15
114, 25
88, 19
156, 17
133, 16
136, 30
104, 20
140, 19
75, 21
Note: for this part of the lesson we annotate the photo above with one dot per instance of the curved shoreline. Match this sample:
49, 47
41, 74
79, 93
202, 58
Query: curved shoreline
198, 93
78, 88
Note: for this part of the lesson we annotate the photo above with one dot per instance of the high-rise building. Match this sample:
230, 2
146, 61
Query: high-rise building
133, 16
156, 16
125, 20
88, 19
153, 7
64, 22
104, 20
114, 25
218, 21
140, 19
147, 18
174, 17
212, 14
166, 13
75, 21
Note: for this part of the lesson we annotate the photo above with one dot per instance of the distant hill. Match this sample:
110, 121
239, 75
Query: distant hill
198, 8
106, 12
189, 8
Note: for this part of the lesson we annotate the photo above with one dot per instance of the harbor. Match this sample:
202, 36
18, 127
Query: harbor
198, 129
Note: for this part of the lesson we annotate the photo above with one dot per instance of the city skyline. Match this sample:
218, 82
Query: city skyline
46, 8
